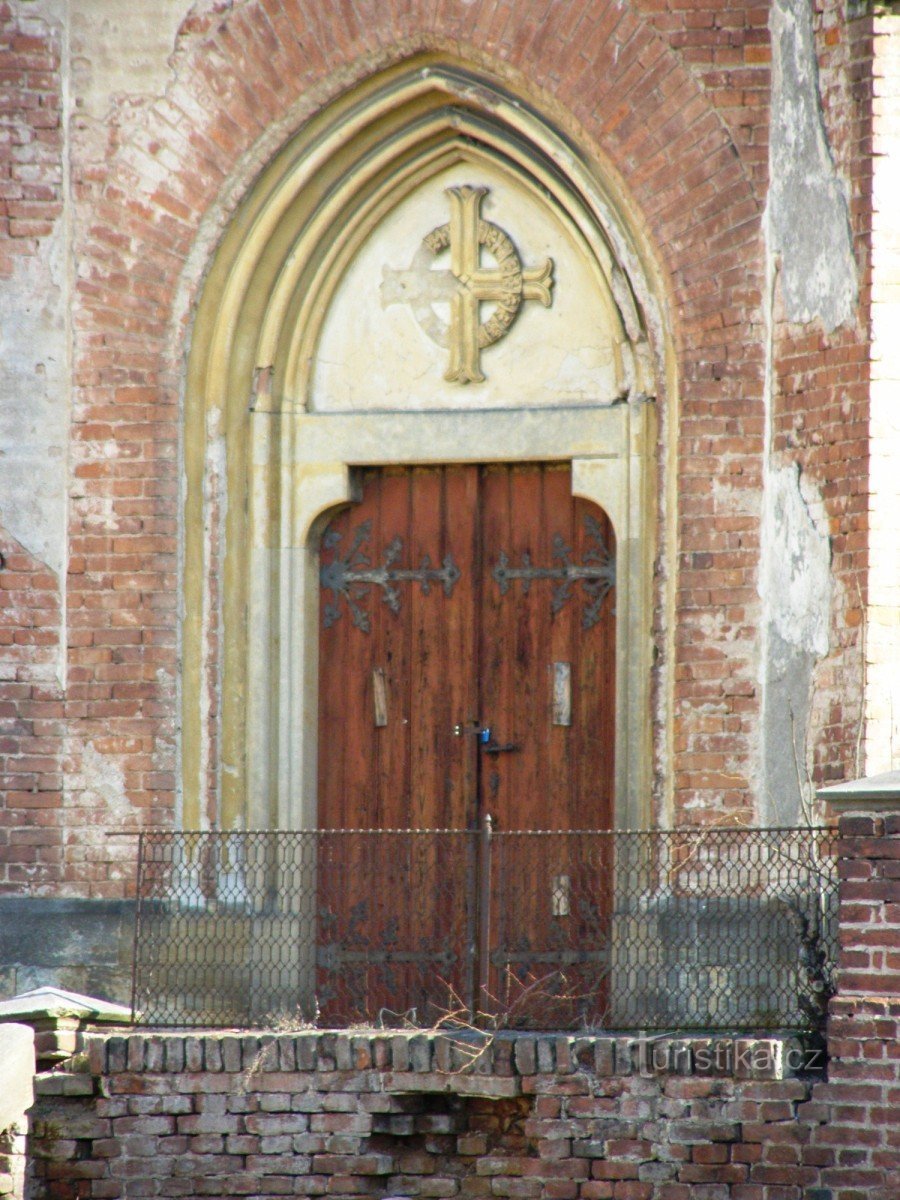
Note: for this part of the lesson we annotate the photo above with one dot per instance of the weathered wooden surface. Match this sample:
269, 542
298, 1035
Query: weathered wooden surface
518, 658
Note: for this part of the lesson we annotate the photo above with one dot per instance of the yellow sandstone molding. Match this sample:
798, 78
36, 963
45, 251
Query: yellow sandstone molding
286, 470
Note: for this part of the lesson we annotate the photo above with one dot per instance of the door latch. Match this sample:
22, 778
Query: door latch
492, 747
485, 739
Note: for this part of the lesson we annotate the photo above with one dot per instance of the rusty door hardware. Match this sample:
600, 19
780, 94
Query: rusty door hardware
485, 738
352, 576
597, 573
492, 747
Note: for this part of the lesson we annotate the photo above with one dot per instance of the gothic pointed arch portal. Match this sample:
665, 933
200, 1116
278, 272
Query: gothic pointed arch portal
428, 273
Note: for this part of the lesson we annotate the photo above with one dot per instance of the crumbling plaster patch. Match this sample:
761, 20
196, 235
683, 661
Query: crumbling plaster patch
34, 368
120, 48
807, 214
34, 404
809, 254
796, 593
96, 786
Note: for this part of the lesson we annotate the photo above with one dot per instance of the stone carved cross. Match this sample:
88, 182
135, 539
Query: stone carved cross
467, 284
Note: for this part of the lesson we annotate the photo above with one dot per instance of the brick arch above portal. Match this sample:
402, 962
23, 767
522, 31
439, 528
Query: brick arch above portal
247, 78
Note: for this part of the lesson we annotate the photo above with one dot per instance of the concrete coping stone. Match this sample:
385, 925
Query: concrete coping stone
875, 793
52, 1004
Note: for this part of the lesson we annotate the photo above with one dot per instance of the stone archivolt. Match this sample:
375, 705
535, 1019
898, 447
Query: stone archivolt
273, 287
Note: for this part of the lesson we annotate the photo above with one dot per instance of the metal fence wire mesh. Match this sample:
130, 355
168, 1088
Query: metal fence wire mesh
690, 929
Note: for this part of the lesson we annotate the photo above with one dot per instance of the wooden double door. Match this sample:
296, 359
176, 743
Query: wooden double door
467, 653
466, 669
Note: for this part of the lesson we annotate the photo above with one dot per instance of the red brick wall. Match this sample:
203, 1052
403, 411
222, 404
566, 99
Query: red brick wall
857, 1145
32, 721
31, 701
369, 1114
821, 399
675, 97
31, 135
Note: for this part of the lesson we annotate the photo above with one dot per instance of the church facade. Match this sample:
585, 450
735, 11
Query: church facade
413, 412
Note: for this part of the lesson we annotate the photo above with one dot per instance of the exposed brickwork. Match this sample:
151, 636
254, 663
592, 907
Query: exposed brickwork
857, 1145
869, 861
30, 133
821, 409
726, 47
31, 700
31, 720
674, 96
363, 1115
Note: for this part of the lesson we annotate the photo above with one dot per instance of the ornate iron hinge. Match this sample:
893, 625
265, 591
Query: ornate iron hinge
597, 573
351, 576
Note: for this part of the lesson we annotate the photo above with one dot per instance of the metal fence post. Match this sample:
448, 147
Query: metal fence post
485, 882
136, 945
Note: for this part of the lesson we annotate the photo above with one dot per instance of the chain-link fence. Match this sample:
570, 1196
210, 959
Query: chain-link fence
690, 929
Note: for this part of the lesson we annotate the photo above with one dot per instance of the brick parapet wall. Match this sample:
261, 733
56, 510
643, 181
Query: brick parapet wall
857, 1146
869, 866
380, 1115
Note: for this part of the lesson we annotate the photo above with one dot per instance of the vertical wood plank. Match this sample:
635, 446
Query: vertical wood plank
594, 697
561, 648
497, 645
391, 764
427, 667
460, 645
332, 672
354, 730
525, 771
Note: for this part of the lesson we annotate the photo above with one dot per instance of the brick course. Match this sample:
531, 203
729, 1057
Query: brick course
311, 1114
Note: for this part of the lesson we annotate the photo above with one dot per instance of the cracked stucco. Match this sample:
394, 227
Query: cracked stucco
808, 222
121, 49
796, 590
34, 367
34, 402
809, 255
